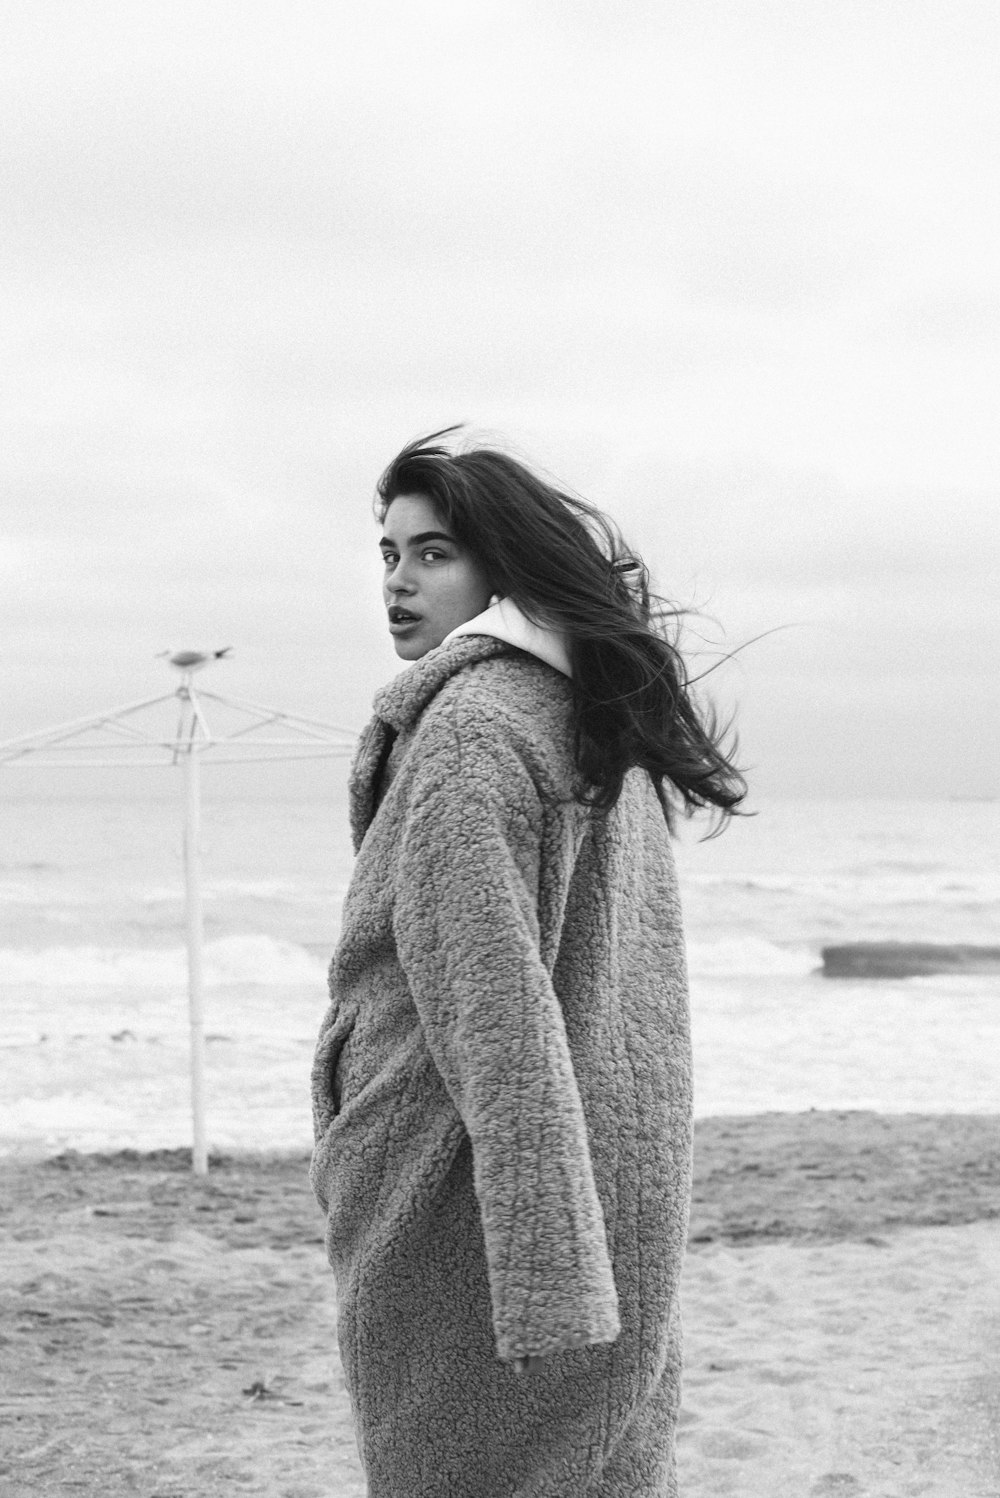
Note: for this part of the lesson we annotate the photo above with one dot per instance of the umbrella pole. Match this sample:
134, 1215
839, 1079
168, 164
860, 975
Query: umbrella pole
195, 935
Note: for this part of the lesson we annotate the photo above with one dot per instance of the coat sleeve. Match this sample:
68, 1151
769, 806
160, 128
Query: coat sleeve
467, 935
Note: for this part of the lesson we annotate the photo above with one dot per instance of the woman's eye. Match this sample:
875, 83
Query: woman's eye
432, 554
390, 558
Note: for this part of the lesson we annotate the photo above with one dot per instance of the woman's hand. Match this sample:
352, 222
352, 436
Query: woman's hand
531, 1364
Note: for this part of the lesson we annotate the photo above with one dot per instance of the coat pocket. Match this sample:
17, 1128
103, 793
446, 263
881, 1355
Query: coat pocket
326, 1098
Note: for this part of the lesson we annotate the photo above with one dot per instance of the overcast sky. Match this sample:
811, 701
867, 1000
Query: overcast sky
728, 269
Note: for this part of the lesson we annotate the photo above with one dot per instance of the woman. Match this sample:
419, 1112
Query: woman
502, 1086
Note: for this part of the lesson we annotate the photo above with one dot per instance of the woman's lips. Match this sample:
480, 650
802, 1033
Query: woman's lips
401, 620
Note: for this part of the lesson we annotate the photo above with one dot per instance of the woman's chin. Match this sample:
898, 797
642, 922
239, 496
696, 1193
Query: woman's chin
410, 648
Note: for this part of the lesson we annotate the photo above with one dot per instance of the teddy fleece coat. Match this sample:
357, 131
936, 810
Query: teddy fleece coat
502, 1100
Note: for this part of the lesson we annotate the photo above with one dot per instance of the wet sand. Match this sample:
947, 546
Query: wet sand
171, 1337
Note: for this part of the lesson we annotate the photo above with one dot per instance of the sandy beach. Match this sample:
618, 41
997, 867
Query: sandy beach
176, 1338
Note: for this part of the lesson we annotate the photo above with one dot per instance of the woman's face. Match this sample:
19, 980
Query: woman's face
432, 584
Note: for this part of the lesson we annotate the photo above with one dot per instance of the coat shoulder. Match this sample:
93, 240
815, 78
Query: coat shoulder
515, 692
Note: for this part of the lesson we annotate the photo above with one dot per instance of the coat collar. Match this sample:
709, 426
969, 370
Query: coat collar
404, 699
397, 708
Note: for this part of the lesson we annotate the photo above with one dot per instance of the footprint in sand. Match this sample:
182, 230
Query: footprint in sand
732, 1445
836, 1485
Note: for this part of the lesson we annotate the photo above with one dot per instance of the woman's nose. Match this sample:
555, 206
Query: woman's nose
397, 581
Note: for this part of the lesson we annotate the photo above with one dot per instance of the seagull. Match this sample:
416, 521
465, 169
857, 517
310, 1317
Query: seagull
193, 660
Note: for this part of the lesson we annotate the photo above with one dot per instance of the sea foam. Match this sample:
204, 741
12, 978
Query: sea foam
248, 959
748, 956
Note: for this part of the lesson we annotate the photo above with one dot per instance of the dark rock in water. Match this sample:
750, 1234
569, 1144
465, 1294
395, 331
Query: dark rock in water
906, 959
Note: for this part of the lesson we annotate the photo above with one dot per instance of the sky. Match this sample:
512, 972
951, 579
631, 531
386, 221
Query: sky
729, 270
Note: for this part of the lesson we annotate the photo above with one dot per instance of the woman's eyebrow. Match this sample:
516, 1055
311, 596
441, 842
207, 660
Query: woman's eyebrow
420, 539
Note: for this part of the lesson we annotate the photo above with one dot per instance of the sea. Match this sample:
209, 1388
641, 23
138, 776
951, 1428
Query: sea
94, 1052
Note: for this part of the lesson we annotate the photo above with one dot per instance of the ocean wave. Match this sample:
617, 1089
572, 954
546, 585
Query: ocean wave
250, 959
886, 890
35, 893
222, 889
769, 883
748, 957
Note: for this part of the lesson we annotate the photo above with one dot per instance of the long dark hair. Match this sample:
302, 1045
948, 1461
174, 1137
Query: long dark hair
565, 565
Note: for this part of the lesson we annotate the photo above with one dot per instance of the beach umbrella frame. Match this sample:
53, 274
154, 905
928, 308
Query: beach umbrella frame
128, 741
